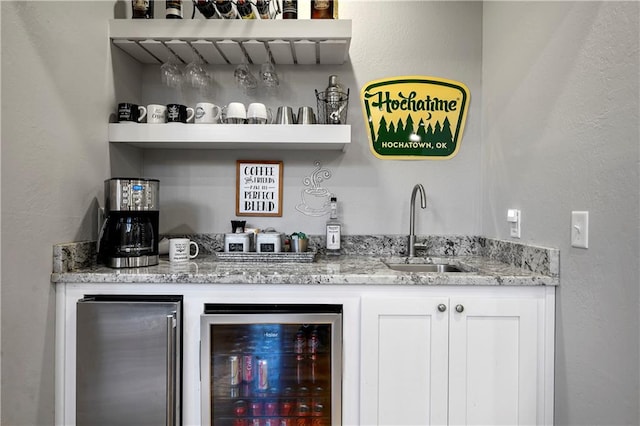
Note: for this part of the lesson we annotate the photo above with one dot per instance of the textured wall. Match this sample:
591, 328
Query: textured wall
57, 93
560, 133
389, 39
562, 78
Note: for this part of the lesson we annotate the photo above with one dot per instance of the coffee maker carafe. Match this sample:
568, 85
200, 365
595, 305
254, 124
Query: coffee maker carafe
129, 235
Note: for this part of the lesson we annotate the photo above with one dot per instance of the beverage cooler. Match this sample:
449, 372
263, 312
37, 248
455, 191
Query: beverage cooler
271, 365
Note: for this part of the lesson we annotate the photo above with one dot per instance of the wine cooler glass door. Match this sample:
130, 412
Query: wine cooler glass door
271, 369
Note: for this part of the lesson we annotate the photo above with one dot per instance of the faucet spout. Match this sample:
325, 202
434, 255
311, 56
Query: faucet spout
412, 219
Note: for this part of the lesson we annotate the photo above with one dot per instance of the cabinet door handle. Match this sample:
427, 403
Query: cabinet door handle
442, 307
459, 308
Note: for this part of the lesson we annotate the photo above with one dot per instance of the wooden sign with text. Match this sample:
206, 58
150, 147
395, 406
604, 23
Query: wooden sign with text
258, 188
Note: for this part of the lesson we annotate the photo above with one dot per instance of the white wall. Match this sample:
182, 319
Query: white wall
57, 93
53, 166
560, 133
389, 39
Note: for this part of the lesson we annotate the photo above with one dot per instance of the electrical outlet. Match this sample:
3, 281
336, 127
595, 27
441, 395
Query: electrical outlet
580, 229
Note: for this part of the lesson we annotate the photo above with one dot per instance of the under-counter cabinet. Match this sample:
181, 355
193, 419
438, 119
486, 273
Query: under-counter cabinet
408, 356
467, 358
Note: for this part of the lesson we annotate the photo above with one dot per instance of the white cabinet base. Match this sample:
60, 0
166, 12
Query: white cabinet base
458, 356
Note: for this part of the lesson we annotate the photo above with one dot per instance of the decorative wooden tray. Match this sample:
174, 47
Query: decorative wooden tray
282, 257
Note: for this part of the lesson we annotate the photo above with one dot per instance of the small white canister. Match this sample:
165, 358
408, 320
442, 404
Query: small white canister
239, 242
269, 242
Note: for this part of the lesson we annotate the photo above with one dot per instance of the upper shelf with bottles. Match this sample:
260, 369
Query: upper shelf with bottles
219, 41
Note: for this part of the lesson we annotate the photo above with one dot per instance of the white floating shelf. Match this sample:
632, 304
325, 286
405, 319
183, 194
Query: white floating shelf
219, 41
232, 136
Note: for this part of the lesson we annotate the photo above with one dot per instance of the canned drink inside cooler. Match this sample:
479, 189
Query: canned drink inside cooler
247, 368
263, 376
271, 408
234, 367
240, 408
286, 408
256, 408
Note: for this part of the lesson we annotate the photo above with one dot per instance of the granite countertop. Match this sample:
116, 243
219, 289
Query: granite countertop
483, 262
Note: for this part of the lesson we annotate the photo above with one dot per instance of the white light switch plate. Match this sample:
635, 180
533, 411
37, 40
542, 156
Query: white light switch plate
513, 217
580, 229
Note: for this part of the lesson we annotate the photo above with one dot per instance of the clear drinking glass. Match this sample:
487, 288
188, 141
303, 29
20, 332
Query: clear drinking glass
171, 74
244, 78
268, 75
195, 74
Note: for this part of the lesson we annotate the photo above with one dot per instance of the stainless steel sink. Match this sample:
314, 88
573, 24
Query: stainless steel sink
423, 267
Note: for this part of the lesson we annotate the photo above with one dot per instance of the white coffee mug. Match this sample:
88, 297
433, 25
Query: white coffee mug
258, 113
156, 114
234, 113
207, 112
180, 249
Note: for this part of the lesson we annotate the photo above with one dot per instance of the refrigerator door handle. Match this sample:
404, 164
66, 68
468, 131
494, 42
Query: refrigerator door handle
171, 369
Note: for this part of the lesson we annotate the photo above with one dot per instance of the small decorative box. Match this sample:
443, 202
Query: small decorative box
239, 242
269, 242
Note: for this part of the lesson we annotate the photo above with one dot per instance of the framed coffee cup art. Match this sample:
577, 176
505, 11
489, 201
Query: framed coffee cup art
259, 188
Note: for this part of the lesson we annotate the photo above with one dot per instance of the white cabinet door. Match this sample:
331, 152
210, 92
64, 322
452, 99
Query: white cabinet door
493, 361
404, 361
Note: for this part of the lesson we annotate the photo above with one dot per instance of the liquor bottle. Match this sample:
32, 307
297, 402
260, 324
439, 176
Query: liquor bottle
324, 9
263, 9
207, 8
245, 10
225, 9
334, 229
174, 9
290, 9
142, 9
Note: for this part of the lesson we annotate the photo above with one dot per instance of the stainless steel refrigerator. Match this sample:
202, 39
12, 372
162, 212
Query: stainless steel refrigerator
128, 360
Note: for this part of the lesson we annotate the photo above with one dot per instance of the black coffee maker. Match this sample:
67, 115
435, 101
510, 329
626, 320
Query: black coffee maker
129, 234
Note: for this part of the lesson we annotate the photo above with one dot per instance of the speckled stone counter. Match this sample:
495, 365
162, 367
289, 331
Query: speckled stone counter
483, 261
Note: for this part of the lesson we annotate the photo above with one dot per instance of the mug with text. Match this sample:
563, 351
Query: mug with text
131, 113
206, 112
178, 113
156, 114
180, 249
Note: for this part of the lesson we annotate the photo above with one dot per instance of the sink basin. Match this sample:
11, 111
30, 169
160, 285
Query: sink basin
423, 267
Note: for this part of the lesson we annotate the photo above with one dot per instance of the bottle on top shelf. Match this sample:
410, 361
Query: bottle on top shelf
245, 10
174, 9
142, 9
324, 9
289, 9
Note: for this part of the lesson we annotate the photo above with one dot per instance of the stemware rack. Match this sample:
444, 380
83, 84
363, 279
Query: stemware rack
218, 41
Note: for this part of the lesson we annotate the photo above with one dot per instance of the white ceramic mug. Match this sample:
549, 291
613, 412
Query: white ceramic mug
180, 249
156, 114
234, 113
207, 112
258, 113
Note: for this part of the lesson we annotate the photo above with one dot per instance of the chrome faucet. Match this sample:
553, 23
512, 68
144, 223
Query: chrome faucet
412, 218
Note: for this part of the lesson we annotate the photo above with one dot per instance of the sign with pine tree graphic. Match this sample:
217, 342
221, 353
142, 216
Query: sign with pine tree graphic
415, 117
